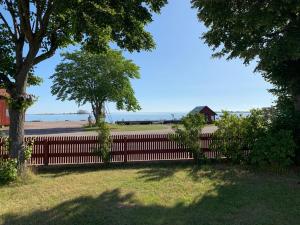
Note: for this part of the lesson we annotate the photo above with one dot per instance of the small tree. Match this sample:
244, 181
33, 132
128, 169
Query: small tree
189, 135
96, 78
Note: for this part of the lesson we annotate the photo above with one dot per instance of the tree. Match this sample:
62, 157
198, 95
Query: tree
32, 30
261, 30
96, 78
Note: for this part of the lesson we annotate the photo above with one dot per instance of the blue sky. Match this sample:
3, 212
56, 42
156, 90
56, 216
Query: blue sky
176, 76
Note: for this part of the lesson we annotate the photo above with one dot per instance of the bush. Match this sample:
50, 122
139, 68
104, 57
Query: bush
275, 149
236, 134
8, 170
228, 139
9, 166
104, 141
189, 135
255, 125
268, 144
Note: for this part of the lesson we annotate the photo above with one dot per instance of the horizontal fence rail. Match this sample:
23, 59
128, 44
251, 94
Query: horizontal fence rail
124, 148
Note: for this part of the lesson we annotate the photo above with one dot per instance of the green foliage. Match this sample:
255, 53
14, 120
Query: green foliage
284, 116
105, 141
34, 80
189, 135
28, 149
268, 145
96, 79
23, 102
8, 170
275, 149
8, 167
237, 134
229, 138
255, 125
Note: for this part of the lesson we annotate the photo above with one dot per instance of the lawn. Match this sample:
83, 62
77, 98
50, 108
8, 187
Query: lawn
116, 127
157, 194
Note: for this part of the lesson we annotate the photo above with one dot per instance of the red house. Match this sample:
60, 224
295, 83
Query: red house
210, 115
4, 115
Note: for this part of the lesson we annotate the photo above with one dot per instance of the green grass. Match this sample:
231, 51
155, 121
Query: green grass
157, 194
116, 127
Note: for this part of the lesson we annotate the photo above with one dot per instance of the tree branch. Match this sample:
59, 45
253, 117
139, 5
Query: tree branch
44, 56
47, 54
45, 20
39, 9
13, 16
19, 51
14, 37
23, 6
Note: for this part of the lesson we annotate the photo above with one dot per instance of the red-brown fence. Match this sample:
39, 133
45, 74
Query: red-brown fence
125, 148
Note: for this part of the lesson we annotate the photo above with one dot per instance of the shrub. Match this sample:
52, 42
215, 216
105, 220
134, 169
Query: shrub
104, 141
228, 139
9, 167
275, 149
268, 144
189, 135
255, 126
8, 170
236, 134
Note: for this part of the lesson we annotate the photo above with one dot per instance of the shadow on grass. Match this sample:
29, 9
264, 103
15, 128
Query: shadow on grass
226, 204
233, 199
196, 172
157, 173
163, 169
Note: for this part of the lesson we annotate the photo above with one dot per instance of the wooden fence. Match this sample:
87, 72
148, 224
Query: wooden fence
125, 148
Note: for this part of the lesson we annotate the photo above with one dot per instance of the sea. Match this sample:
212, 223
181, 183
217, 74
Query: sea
113, 117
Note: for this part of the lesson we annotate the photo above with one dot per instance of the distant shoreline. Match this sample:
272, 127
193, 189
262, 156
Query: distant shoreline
115, 116
125, 112
57, 114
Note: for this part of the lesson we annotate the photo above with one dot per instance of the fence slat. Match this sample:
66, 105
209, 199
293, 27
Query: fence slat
46, 153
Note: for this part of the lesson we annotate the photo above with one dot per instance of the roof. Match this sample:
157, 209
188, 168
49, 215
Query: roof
3, 93
199, 109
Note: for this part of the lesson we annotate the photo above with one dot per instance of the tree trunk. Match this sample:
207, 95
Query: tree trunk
16, 137
97, 115
297, 128
98, 112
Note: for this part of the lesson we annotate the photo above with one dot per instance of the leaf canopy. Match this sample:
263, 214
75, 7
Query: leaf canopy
32, 30
96, 78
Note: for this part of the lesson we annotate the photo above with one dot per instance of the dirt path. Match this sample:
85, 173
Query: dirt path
75, 128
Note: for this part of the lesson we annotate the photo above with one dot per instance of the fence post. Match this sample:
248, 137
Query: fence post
46, 152
125, 149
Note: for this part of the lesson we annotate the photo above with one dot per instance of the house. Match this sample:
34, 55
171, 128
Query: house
4, 115
210, 115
